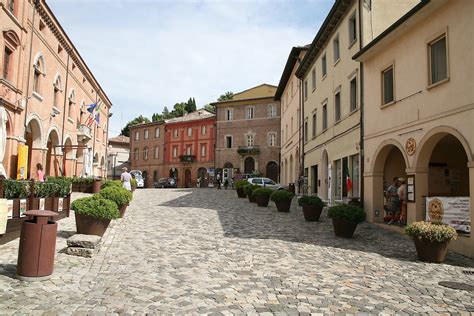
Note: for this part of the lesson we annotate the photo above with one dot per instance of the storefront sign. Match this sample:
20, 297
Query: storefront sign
453, 211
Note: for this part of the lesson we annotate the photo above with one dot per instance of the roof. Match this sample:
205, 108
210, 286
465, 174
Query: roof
386, 35
260, 92
290, 65
120, 139
201, 114
332, 20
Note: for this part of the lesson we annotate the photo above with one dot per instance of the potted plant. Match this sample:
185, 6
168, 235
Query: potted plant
262, 196
62, 192
249, 191
239, 187
431, 239
46, 191
312, 207
93, 214
111, 183
282, 199
120, 196
133, 184
345, 219
16, 192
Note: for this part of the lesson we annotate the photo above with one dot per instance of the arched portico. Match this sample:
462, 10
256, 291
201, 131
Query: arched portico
53, 167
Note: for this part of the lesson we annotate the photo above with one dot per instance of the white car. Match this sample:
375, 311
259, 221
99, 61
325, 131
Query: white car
266, 182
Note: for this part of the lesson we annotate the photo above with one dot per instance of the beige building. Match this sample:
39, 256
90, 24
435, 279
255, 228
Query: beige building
290, 97
419, 114
332, 95
247, 138
118, 156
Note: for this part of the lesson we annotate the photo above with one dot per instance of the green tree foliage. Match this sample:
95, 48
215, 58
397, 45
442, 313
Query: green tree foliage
138, 120
165, 113
210, 108
229, 95
190, 106
156, 117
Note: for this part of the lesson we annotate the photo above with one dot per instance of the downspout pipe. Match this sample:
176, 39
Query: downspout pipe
361, 141
64, 115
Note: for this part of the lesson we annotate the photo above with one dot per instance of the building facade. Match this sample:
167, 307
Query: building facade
419, 112
46, 89
147, 151
189, 148
289, 95
332, 95
248, 138
118, 156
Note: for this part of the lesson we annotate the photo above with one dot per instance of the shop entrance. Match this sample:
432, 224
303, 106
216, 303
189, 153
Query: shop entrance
187, 178
203, 179
272, 171
249, 165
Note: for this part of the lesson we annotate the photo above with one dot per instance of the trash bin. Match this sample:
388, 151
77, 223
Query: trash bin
96, 185
291, 187
37, 246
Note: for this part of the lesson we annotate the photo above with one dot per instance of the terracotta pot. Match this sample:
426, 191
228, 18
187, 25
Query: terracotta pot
252, 198
311, 213
262, 200
431, 251
343, 228
122, 209
96, 186
283, 206
241, 192
88, 225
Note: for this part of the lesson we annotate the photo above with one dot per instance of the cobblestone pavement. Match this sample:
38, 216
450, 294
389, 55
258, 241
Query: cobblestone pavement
206, 251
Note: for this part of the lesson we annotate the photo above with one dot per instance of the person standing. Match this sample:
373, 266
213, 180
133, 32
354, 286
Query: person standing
402, 195
126, 178
393, 201
39, 172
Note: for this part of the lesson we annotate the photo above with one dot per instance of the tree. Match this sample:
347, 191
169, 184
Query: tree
165, 113
178, 109
190, 106
229, 95
210, 108
156, 117
138, 120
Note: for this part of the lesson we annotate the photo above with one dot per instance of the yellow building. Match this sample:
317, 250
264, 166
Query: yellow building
419, 115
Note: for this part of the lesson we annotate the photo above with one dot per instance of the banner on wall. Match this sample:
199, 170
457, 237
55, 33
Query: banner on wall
22, 164
453, 211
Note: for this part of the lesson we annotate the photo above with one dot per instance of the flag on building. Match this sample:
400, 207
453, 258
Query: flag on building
348, 182
91, 107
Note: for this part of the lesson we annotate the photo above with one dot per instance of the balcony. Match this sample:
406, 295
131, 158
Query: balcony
187, 158
248, 150
84, 133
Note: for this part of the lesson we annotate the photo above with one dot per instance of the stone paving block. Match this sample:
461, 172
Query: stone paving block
81, 252
84, 241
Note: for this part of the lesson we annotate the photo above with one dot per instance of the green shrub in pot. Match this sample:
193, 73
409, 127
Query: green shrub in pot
310, 200
45, 189
63, 185
282, 199
111, 183
96, 206
14, 189
250, 188
262, 196
119, 195
345, 219
241, 184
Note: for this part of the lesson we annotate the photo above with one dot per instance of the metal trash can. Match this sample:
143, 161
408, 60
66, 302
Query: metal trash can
37, 246
291, 187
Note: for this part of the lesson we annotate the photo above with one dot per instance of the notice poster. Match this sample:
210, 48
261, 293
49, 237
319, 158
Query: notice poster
22, 208
453, 211
10, 208
3, 216
60, 204
41, 204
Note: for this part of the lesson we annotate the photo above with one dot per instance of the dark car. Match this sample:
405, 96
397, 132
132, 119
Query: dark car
166, 183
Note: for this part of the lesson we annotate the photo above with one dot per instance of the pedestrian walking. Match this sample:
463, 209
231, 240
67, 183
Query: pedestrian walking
126, 178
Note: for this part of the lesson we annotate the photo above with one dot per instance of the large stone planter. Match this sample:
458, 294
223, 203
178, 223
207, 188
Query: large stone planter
283, 206
88, 225
431, 251
262, 200
252, 199
241, 192
343, 228
311, 213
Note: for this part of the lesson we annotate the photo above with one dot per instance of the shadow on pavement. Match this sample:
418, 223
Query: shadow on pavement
8, 270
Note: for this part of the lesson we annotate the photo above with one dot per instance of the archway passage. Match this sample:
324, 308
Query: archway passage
203, 178
53, 167
325, 177
145, 178
272, 171
68, 156
33, 141
187, 178
249, 165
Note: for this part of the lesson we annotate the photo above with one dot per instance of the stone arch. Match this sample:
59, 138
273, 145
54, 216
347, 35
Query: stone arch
271, 170
36, 129
69, 152
249, 164
380, 155
53, 167
12, 38
39, 63
57, 81
325, 176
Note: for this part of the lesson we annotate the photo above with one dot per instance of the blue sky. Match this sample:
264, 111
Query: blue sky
148, 54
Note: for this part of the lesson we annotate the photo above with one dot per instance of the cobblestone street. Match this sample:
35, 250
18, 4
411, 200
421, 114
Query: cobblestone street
206, 251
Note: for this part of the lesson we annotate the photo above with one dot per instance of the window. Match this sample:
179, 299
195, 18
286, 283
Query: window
305, 88
145, 134
7, 57
352, 29
325, 117
250, 140
175, 151
190, 131
57, 92
272, 110
323, 65
11, 6
203, 150
157, 152
157, 132
305, 131
354, 176
353, 100
37, 78
228, 142
272, 139
314, 125
188, 150
337, 107
11, 43
313, 78
250, 112
268, 182
145, 153
175, 133
335, 45
137, 135
438, 60
229, 115
203, 130
71, 102
135, 154
387, 85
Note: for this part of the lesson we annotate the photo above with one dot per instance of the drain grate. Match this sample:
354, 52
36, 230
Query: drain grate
468, 272
457, 286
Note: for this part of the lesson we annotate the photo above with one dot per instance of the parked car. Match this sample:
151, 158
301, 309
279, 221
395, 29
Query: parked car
266, 182
165, 183
140, 180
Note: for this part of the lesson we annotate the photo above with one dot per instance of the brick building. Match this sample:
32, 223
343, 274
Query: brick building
248, 133
147, 150
189, 147
45, 88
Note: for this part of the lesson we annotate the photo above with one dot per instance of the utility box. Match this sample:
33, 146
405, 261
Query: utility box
37, 246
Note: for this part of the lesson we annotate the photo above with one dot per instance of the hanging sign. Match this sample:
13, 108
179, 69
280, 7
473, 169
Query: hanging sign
453, 211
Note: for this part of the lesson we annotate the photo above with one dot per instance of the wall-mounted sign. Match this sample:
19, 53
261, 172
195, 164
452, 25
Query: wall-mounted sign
453, 211
410, 146
411, 188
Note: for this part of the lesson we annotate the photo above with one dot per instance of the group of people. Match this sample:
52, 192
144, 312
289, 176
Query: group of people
396, 206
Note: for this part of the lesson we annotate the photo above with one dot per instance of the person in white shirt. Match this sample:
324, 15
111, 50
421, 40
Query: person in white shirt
126, 178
